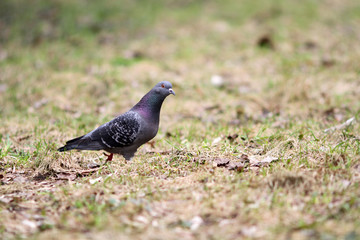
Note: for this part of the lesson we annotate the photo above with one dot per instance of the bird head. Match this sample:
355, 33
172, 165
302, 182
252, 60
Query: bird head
164, 88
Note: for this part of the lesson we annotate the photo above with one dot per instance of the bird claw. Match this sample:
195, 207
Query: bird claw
110, 157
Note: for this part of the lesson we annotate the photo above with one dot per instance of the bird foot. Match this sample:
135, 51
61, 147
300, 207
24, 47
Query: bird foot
110, 157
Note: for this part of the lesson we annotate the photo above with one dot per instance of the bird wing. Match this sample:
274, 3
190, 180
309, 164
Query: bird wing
122, 131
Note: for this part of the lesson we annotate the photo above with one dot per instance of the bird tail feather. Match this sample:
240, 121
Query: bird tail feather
81, 143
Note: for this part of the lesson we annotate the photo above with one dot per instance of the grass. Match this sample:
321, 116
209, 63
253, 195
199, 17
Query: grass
290, 71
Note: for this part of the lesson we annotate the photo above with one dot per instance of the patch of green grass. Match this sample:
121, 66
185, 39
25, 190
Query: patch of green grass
5, 148
125, 61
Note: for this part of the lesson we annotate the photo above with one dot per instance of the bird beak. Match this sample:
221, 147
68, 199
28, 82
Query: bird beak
171, 91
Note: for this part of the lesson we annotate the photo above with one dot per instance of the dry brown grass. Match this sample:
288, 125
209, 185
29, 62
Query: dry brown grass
274, 103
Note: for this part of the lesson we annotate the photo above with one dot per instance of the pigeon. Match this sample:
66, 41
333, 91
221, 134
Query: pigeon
128, 131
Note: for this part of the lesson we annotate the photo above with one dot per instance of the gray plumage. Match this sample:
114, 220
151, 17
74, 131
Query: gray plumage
127, 132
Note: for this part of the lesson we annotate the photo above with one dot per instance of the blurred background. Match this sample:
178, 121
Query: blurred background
83, 54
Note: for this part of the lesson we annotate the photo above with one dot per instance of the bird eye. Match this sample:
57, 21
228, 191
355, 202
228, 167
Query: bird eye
162, 85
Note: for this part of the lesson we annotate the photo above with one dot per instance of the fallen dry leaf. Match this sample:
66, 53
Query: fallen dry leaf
265, 41
134, 54
93, 165
19, 139
220, 162
244, 158
335, 113
87, 171
237, 166
212, 107
5, 200
244, 163
20, 179
66, 176
327, 62
256, 161
310, 45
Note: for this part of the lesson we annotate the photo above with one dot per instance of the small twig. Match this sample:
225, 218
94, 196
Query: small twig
344, 125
